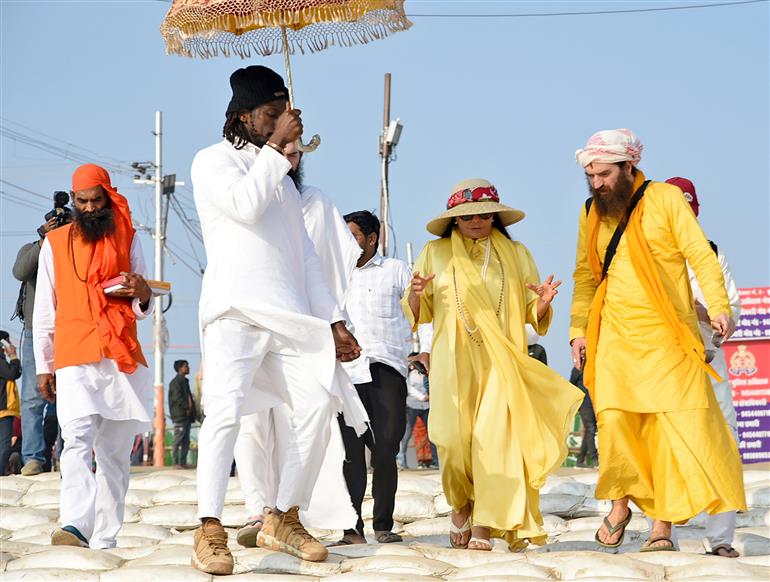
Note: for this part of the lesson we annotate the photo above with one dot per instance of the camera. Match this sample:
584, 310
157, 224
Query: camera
61, 212
5, 339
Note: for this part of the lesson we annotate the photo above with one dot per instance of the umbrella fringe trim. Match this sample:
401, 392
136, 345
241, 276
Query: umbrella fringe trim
187, 43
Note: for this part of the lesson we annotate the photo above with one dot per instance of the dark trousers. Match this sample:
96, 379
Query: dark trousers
6, 431
181, 441
588, 418
385, 401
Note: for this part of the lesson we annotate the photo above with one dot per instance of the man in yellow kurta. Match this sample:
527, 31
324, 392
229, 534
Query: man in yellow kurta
663, 442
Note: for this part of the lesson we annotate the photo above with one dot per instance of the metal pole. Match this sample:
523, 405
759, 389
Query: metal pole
157, 328
410, 260
385, 153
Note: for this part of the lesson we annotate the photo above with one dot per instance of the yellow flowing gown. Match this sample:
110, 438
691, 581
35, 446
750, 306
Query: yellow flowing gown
499, 418
663, 440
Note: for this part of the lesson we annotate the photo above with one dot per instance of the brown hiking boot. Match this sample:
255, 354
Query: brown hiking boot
210, 551
282, 532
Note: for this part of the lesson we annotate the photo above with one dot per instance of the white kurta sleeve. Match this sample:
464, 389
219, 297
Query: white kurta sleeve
322, 302
44, 315
241, 197
732, 289
425, 334
139, 267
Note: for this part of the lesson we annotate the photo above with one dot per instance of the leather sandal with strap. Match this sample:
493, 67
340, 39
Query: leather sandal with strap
724, 551
612, 530
650, 548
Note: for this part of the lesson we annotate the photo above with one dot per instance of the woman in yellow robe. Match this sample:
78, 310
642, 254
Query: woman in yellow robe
498, 417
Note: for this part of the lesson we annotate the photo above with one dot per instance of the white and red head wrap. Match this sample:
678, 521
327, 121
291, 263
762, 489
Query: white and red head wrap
611, 146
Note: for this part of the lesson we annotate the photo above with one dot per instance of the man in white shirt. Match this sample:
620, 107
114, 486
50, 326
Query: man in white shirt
374, 307
88, 356
720, 527
270, 326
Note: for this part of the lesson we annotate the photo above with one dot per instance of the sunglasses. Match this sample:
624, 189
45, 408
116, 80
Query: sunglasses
469, 217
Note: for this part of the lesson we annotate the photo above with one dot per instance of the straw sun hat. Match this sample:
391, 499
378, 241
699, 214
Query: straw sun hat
469, 197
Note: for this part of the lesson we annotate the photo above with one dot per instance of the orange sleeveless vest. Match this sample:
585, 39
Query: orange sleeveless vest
77, 339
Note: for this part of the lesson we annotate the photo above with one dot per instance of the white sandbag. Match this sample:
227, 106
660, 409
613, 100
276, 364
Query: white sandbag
378, 576
418, 484
560, 504
717, 567
428, 527
164, 556
671, 558
638, 523
5, 534
157, 481
22, 548
157, 574
131, 514
130, 553
140, 497
754, 476
441, 505
465, 558
554, 525
507, 568
557, 545
75, 558
413, 506
50, 575
758, 496
410, 565
578, 565
756, 560
16, 482
176, 516
45, 486
178, 494
19, 518
34, 530
135, 541
10, 496
326, 535
43, 498
587, 477
592, 506
260, 577
233, 516
46, 476
43, 539
587, 535
266, 561
749, 544
368, 550
234, 497
566, 486
185, 538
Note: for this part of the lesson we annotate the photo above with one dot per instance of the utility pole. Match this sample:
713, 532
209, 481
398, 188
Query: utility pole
391, 132
159, 339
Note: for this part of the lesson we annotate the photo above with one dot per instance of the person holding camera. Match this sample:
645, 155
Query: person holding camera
35, 451
88, 356
10, 370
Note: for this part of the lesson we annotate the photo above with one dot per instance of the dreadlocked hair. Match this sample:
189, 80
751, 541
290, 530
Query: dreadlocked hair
234, 131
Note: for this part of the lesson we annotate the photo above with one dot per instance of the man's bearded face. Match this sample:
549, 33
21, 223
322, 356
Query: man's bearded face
611, 187
91, 213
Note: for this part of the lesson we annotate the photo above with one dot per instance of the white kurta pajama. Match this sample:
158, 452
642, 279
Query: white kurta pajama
265, 307
720, 527
259, 450
100, 409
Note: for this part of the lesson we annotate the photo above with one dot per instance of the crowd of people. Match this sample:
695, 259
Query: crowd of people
305, 363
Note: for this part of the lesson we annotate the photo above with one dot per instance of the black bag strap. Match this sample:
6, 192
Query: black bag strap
714, 247
615, 241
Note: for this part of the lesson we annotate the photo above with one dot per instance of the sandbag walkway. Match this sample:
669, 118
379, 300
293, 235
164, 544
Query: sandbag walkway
155, 543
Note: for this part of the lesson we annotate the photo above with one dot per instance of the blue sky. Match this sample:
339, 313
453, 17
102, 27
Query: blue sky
505, 98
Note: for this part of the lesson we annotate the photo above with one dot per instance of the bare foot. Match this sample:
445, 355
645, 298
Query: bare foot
618, 514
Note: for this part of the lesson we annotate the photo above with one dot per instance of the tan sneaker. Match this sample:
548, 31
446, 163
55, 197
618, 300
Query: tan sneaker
282, 532
210, 551
31, 468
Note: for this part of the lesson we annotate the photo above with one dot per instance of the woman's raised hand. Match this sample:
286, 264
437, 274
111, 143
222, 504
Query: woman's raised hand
546, 290
419, 283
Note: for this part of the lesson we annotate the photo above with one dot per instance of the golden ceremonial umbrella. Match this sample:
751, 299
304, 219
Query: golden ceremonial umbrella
208, 28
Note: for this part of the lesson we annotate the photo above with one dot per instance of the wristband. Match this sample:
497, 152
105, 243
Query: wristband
275, 146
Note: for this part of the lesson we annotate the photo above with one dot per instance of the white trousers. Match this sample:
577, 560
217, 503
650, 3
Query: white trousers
95, 504
246, 367
259, 454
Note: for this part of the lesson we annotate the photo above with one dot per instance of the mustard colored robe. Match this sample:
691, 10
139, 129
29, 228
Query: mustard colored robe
662, 438
499, 418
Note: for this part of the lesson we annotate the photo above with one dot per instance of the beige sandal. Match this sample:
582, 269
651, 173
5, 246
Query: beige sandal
480, 544
459, 531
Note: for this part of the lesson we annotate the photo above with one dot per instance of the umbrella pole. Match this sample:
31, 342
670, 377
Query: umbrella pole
315, 141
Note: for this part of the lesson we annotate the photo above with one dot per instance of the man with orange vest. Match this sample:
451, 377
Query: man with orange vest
88, 357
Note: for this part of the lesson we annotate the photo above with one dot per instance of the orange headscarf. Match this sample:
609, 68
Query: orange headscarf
114, 316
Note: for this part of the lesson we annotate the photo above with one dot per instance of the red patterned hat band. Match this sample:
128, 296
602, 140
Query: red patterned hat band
480, 194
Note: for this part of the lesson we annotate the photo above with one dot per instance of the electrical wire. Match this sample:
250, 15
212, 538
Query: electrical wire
46, 198
21, 202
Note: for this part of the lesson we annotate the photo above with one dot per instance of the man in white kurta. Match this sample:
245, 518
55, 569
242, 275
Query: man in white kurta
270, 326
256, 454
100, 408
